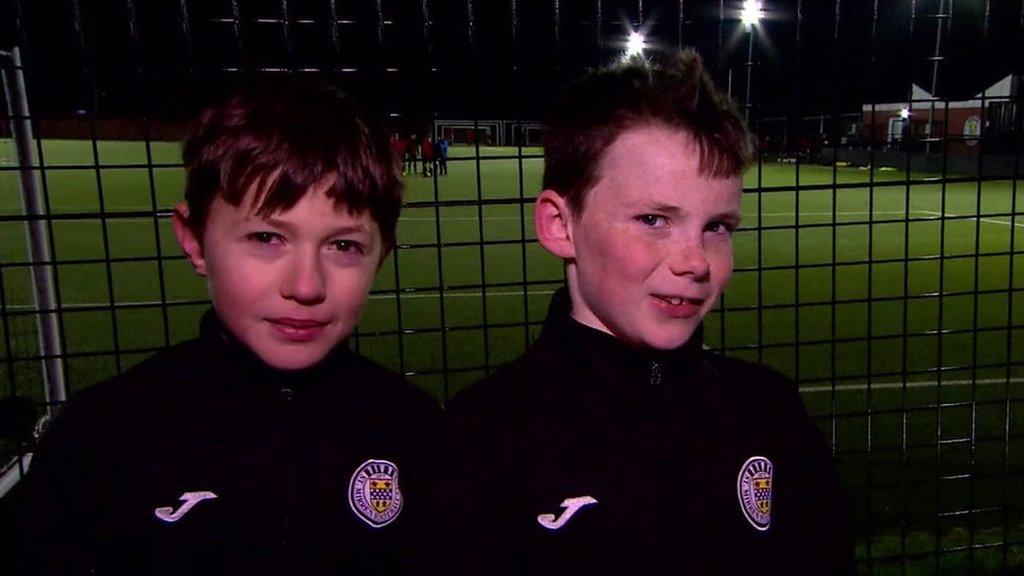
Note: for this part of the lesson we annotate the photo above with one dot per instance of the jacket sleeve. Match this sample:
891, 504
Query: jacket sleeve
424, 556
823, 528
469, 496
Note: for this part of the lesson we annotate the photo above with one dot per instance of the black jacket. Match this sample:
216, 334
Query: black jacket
643, 462
108, 490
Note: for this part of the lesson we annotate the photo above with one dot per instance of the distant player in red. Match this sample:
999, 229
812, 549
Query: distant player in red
398, 149
427, 155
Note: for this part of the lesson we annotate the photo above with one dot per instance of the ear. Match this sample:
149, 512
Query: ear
190, 244
552, 220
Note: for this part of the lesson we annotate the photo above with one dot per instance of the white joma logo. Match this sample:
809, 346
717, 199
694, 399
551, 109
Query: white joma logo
190, 499
571, 505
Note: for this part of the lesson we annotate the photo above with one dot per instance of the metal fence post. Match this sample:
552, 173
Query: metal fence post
35, 228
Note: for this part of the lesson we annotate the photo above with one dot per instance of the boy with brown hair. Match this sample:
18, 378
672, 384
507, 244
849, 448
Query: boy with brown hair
617, 444
264, 446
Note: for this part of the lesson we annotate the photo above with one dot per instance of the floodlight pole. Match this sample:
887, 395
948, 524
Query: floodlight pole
35, 228
750, 68
750, 16
939, 19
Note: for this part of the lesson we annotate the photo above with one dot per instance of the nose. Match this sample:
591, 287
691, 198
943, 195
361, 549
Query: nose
689, 259
304, 280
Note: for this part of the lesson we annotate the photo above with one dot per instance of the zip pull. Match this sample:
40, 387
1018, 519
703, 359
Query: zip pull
655, 373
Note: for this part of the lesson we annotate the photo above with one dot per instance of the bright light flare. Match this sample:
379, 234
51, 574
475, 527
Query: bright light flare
904, 113
752, 12
635, 44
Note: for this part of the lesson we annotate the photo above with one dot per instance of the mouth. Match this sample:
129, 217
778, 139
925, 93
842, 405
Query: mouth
679, 300
678, 306
297, 329
298, 322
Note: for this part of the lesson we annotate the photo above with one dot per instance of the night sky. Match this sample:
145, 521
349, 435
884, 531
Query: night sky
495, 58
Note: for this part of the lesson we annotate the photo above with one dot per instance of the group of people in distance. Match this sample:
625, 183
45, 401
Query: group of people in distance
433, 155
617, 444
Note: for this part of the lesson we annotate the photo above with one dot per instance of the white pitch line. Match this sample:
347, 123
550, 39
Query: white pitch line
447, 218
808, 389
458, 294
989, 220
839, 213
750, 215
454, 293
829, 213
909, 385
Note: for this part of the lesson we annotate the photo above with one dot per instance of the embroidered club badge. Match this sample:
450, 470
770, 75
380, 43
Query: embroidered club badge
754, 490
373, 493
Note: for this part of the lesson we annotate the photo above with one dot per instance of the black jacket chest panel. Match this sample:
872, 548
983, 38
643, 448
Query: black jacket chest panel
584, 462
200, 461
652, 467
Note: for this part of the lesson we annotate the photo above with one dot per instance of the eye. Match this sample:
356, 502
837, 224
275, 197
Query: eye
348, 246
264, 237
720, 227
652, 220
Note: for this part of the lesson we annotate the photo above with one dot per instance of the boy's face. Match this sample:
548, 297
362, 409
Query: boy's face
653, 245
292, 285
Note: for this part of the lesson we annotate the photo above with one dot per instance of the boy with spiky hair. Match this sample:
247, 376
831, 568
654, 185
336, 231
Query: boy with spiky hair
264, 446
617, 444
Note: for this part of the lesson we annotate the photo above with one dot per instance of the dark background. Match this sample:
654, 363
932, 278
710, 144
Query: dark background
495, 58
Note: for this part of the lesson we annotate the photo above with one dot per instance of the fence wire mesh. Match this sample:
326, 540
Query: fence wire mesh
878, 262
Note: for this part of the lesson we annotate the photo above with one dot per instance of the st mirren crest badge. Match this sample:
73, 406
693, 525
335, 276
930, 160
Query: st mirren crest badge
373, 492
754, 490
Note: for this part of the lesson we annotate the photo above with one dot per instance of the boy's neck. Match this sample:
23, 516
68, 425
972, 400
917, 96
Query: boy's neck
577, 311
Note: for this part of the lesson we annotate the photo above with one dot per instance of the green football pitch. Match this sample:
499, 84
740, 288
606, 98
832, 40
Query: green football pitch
895, 299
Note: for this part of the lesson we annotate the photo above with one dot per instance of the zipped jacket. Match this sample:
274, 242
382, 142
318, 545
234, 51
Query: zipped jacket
202, 459
587, 456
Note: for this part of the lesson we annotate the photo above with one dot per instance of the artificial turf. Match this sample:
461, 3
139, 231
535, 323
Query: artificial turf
896, 300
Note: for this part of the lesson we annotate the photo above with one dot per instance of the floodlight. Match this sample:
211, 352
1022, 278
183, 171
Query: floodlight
635, 44
904, 113
751, 12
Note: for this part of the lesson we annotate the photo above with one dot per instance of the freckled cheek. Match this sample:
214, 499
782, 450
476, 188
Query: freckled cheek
623, 261
721, 261
624, 253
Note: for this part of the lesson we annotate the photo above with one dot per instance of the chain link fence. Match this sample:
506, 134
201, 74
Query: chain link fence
878, 262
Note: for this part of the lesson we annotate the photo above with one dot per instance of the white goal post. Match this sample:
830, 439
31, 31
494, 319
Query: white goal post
44, 298
484, 132
489, 132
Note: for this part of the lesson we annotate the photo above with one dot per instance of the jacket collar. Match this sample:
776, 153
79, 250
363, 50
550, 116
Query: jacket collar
604, 358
